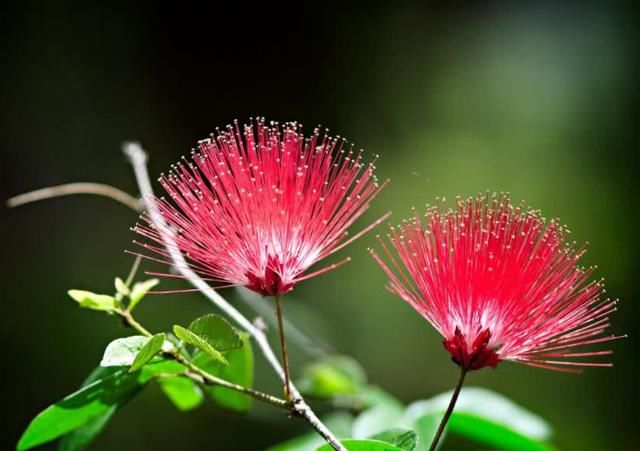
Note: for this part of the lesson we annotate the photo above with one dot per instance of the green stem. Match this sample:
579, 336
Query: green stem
283, 349
131, 322
447, 414
132, 272
200, 375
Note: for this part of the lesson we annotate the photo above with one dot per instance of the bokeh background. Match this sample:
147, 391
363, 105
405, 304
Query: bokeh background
538, 100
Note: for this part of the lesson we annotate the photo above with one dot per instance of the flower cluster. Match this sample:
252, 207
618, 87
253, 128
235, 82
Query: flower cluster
259, 206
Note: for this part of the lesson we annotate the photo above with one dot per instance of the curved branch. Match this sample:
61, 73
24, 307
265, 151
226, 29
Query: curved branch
138, 159
98, 189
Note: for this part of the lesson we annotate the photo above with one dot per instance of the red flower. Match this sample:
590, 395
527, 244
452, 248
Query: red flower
498, 283
258, 208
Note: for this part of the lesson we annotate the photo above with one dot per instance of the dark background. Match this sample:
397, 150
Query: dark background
538, 100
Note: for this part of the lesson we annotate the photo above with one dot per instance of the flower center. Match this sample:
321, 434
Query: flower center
477, 356
271, 283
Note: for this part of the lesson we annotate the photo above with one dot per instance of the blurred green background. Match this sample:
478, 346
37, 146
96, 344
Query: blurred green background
538, 100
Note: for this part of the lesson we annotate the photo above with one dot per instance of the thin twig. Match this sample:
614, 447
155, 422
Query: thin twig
311, 345
138, 159
98, 189
199, 375
283, 349
209, 379
447, 414
133, 271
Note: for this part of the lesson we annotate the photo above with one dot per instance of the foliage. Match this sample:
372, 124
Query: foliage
130, 363
481, 415
365, 417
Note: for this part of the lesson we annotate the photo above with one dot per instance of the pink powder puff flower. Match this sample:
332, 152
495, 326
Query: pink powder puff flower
258, 208
499, 283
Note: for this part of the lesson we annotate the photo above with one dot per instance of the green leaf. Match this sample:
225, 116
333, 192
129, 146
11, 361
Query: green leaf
239, 371
160, 367
123, 351
147, 352
363, 445
216, 331
488, 418
339, 423
426, 426
335, 375
191, 338
81, 437
121, 287
80, 408
139, 291
385, 412
87, 299
493, 434
402, 438
183, 393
